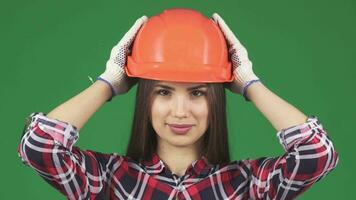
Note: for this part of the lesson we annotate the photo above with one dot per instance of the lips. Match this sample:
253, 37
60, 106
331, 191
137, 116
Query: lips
180, 128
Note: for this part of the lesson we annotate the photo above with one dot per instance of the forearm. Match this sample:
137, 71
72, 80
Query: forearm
278, 112
81, 107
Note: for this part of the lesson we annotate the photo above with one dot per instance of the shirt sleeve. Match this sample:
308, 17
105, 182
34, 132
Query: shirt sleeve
47, 147
310, 156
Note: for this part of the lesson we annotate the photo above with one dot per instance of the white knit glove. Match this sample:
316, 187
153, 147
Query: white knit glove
114, 74
241, 64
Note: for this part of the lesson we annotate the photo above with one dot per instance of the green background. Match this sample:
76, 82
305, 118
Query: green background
302, 50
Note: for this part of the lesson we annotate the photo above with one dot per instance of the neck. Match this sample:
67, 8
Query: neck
178, 159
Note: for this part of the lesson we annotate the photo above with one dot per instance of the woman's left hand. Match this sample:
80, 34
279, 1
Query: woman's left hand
241, 64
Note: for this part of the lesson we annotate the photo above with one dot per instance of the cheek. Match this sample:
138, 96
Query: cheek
158, 113
201, 112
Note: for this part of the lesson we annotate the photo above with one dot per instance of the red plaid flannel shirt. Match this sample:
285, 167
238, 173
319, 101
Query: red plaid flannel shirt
47, 147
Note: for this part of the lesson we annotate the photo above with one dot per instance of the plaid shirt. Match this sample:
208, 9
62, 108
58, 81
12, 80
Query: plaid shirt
47, 147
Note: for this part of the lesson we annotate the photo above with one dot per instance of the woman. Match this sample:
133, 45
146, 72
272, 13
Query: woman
178, 147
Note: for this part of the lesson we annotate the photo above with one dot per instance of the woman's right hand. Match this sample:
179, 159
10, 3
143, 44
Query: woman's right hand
114, 74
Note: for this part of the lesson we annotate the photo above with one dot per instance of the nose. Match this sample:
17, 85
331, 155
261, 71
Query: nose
180, 108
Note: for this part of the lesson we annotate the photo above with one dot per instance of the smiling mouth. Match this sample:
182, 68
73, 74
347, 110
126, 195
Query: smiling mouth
180, 129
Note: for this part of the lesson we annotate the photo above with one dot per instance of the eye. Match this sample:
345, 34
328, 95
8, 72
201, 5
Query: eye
198, 93
162, 92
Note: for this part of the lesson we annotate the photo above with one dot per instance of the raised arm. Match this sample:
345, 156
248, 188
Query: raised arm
112, 82
80, 108
278, 112
47, 144
309, 153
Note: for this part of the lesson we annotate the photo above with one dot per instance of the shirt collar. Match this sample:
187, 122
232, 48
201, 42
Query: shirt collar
200, 167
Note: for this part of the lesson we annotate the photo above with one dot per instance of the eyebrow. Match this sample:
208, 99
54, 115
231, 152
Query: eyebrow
190, 88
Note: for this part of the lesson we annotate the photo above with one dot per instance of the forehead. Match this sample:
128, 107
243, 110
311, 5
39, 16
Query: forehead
179, 84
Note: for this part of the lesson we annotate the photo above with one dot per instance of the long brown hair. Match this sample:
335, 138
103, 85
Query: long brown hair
143, 141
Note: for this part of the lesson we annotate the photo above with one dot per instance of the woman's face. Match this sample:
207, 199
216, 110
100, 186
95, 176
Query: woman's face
179, 113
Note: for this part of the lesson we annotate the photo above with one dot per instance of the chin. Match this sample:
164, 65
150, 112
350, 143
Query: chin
181, 142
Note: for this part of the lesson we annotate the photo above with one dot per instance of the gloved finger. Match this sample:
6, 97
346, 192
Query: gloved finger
229, 35
125, 42
236, 48
130, 35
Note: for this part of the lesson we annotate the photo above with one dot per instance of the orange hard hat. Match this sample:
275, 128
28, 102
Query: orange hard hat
180, 45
